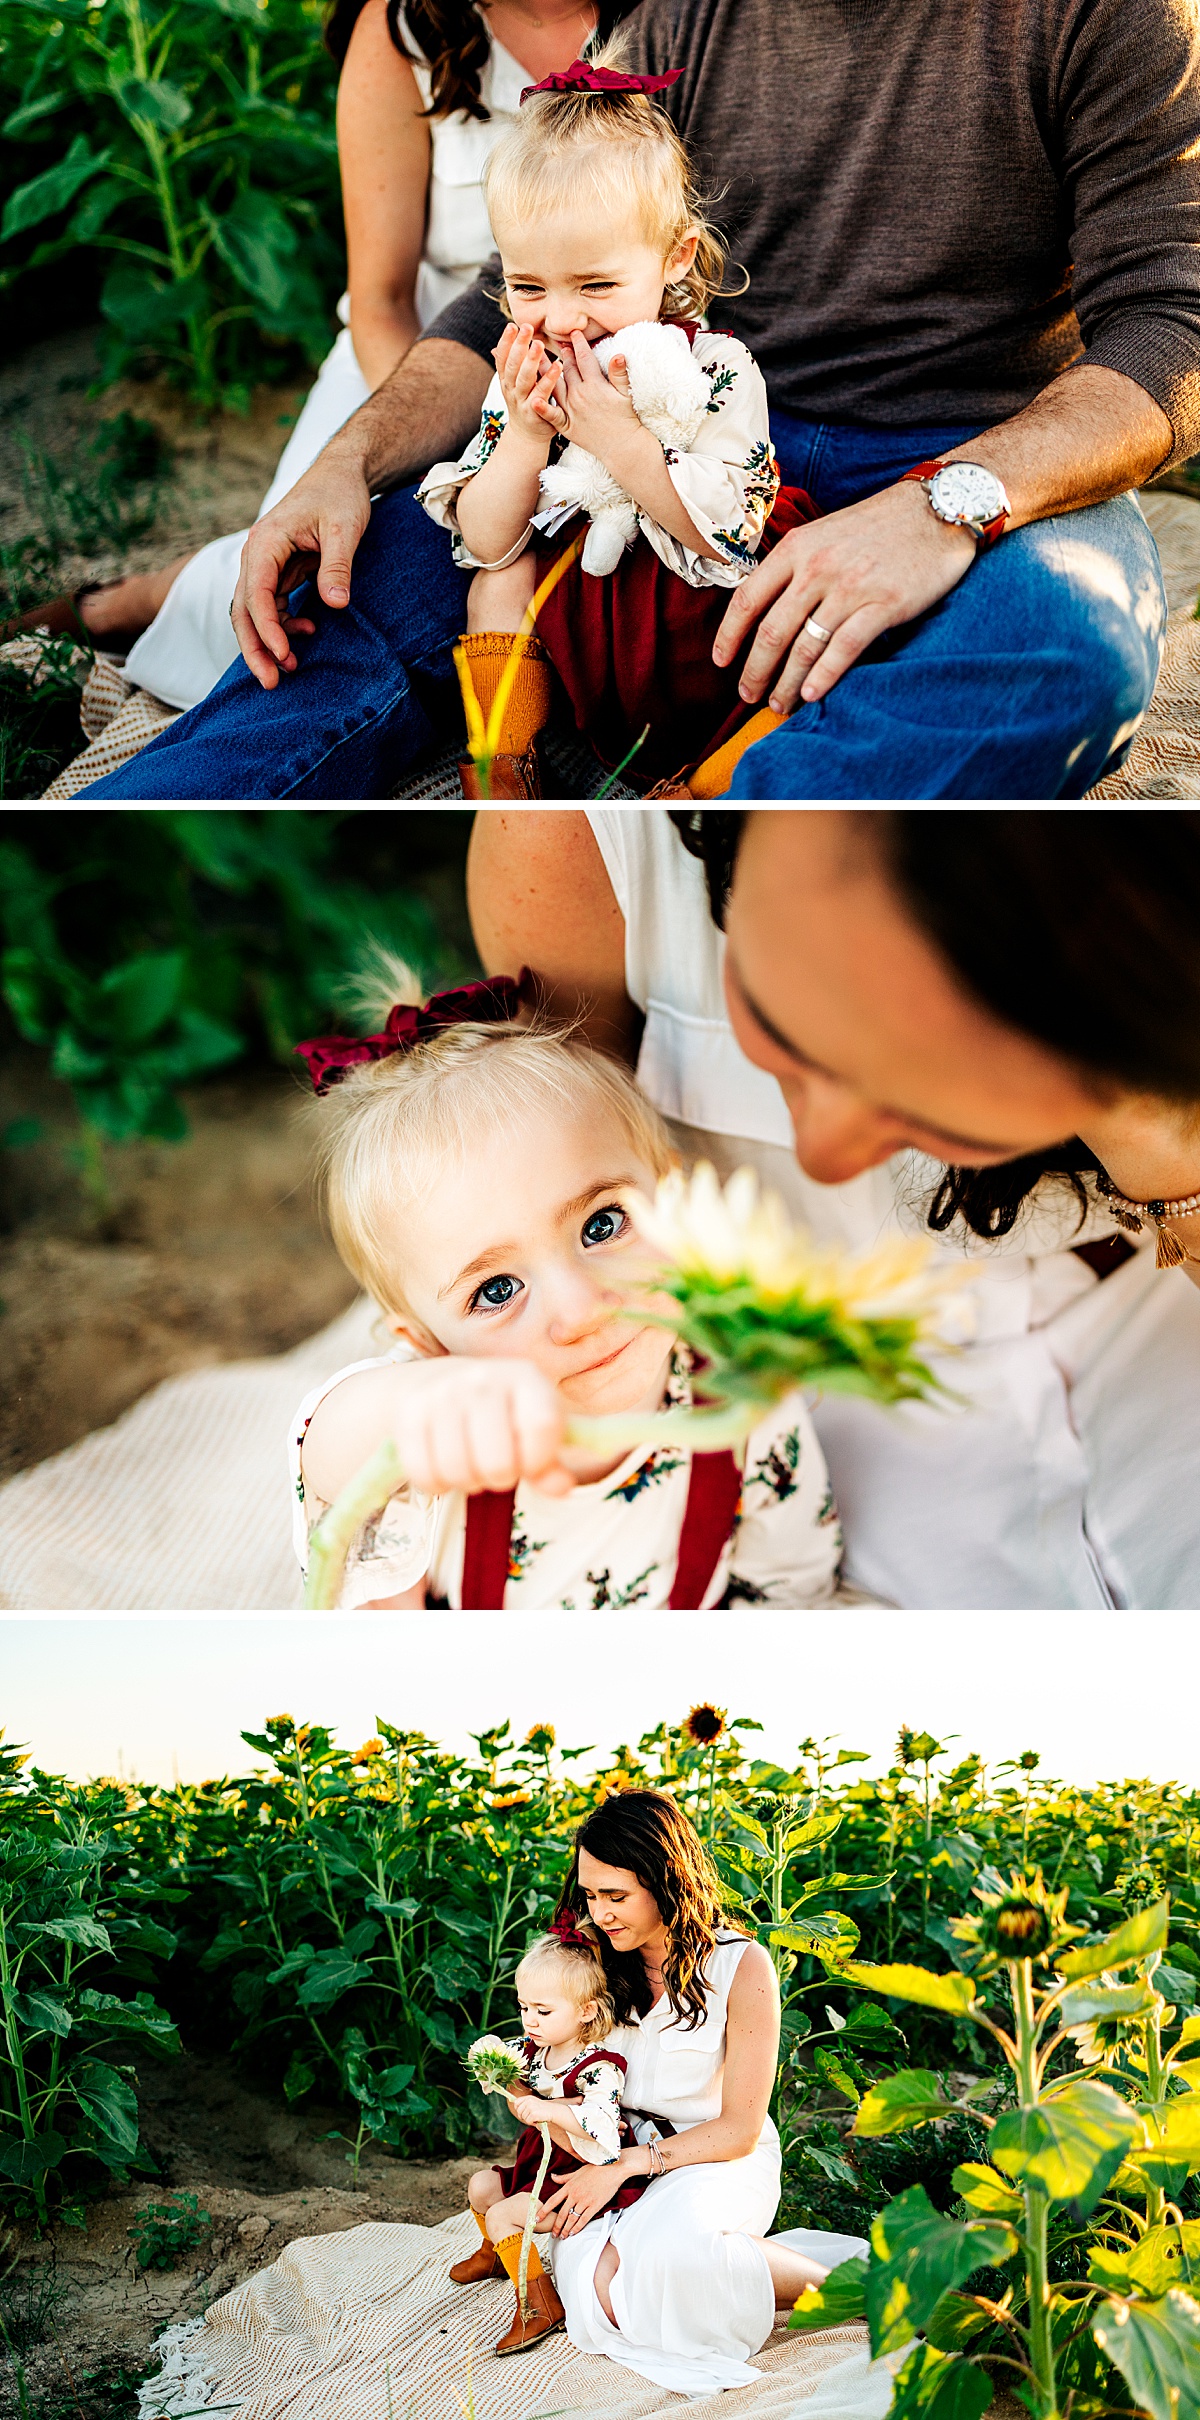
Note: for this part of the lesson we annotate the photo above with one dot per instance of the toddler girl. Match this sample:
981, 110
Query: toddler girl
600, 230
478, 1175
576, 2071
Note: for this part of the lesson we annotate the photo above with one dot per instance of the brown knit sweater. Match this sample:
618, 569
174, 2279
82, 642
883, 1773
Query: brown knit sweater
941, 203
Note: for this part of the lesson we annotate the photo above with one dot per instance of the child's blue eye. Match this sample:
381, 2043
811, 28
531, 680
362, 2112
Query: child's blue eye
495, 1293
601, 1227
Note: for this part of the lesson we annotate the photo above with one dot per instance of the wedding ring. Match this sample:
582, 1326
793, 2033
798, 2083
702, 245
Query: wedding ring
816, 630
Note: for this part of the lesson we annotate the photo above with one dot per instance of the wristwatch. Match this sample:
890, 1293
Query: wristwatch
965, 495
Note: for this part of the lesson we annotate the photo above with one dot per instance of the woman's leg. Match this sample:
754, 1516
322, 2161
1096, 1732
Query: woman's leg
790, 2270
606, 2269
117, 613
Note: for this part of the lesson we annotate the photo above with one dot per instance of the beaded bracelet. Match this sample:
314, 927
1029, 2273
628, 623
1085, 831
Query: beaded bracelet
1169, 1252
658, 2165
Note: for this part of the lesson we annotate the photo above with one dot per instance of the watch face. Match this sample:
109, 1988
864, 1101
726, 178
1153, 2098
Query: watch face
964, 491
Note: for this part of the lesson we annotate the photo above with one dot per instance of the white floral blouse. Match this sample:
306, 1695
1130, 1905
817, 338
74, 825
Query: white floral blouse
728, 480
598, 2085
613, 1543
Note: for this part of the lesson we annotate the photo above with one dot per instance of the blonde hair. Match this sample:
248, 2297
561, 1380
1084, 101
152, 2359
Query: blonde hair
388, 1128
582, 1971
606, 151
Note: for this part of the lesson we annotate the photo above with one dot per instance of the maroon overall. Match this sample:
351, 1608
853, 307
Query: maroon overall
521, 2174
714, 1493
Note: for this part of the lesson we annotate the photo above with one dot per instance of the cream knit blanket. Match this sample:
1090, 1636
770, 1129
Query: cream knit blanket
366, 2326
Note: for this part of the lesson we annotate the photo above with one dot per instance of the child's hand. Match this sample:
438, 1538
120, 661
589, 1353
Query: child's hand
528, 379
528, 2109
478, 1424
599, 410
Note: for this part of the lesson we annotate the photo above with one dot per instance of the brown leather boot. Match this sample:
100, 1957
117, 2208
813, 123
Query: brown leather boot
509, 776
478, 2266
546, 2316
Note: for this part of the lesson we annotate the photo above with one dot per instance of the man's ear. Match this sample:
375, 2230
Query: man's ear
407, 1329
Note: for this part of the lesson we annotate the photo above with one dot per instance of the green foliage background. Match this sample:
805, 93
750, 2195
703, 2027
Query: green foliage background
349, 1920
175, 162
144, 949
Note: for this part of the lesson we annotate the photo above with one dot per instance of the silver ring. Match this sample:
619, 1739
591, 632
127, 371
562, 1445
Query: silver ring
816, 630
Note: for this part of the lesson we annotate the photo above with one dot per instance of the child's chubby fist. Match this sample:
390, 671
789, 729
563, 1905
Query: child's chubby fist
461, 1423
531, 384
528, 2109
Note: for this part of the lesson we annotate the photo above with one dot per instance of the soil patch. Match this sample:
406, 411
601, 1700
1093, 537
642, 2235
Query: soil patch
263, 2173
50, 402
208, 1250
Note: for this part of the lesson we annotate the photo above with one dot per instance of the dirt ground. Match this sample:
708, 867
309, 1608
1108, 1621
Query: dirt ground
212, 1250
263, 2173
223, 466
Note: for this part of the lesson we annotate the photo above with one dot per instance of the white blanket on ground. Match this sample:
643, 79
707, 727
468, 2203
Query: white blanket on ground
182, 1506
366, 2326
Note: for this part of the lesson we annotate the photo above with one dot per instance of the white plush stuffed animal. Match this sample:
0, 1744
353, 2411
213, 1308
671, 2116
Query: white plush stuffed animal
670, 395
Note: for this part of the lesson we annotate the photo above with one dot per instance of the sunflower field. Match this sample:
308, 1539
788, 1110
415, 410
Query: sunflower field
348, 1920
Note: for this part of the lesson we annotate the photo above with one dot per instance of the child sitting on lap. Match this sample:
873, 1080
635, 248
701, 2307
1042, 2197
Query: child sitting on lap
600, 231
477, 1178
576, 2071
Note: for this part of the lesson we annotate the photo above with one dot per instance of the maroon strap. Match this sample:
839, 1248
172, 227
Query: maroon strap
486, 1552
714, 1493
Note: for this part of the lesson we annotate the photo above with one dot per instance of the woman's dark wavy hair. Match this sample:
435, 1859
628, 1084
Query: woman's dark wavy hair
451, 36
645, 1833
1078, 926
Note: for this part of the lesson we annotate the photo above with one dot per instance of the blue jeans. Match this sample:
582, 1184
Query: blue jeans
1025, 682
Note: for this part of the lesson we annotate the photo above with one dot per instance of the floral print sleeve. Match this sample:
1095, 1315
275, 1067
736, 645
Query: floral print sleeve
599, 2087
392, 1552
787, 1545
441, 487
729, 478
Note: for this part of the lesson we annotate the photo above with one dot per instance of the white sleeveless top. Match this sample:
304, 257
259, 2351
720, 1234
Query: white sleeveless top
458, 233
995, 1506
675, 2074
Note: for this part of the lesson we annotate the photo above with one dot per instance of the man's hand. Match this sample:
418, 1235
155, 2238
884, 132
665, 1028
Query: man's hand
858, 573
316, 527
423, 413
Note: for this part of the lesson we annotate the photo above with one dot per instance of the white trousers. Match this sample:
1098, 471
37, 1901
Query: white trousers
190, 642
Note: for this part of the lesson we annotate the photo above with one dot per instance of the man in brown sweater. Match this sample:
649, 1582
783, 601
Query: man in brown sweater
972, 235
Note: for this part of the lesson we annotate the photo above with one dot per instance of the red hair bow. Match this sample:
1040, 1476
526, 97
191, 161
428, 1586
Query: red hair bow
329, 1056
567, 1932
579, 77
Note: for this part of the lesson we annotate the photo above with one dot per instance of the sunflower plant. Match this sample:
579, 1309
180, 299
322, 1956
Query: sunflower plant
1071, 2149
496, 2067
759, 1306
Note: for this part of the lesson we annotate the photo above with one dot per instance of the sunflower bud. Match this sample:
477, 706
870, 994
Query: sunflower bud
1017, 1928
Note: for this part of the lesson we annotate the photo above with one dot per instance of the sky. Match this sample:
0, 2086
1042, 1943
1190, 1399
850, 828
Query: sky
160, 1696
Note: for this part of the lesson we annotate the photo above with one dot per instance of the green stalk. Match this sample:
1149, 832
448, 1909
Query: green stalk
1041, 2342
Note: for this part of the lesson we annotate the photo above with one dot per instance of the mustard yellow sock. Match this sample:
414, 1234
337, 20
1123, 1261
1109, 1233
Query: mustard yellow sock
509, 2253
487, 653
711, 778
480, 2218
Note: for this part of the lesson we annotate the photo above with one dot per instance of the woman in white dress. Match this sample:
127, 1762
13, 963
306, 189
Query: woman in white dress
426, 89
1071, 1480
683, 2286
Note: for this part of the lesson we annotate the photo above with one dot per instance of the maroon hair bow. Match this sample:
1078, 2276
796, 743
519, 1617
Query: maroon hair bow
329, 1056
579, 77
567, 1932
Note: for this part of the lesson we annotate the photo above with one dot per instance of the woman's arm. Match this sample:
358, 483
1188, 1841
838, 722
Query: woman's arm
539, 896
384, 152
751, 2058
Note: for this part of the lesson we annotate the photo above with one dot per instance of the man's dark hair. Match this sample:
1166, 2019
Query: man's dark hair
1078, 926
